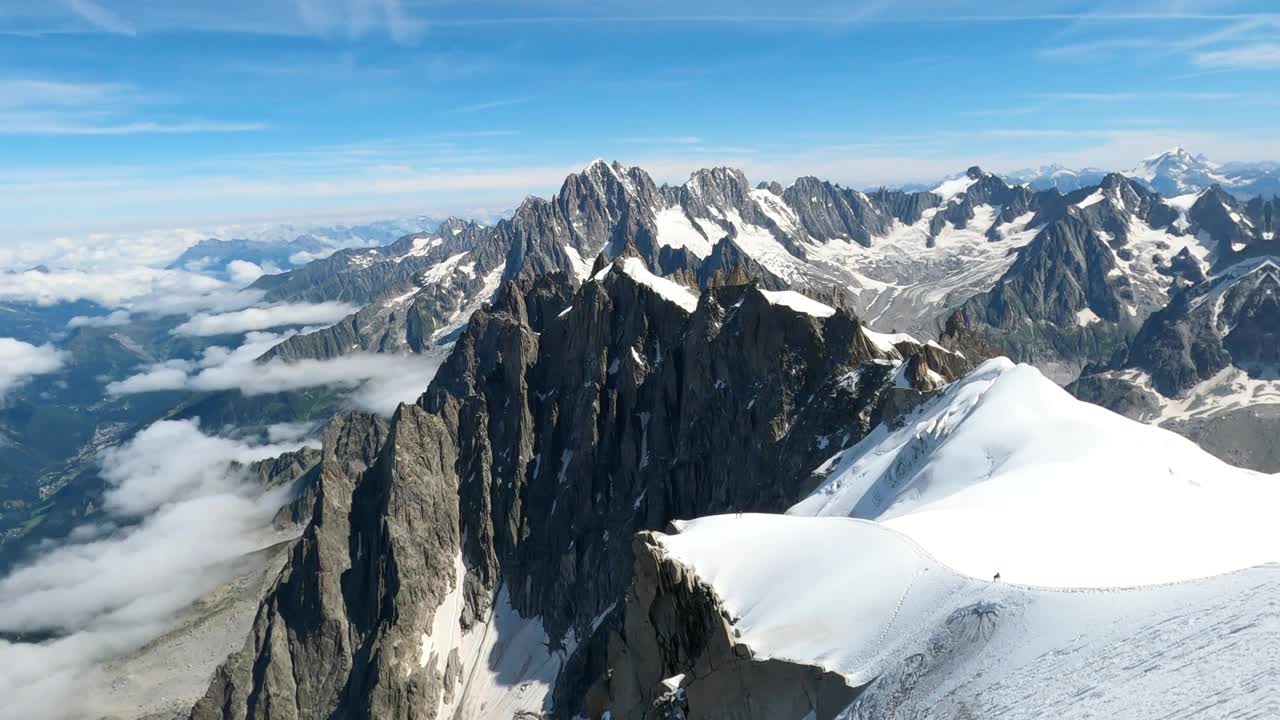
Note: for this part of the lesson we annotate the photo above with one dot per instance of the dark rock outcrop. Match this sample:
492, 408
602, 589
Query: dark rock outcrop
676, 655
1059, 306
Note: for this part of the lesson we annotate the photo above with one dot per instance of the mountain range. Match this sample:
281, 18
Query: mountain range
980, 258
723, 450
1173, 172
281, 247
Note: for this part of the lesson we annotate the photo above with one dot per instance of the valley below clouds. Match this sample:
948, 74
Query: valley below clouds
181, 511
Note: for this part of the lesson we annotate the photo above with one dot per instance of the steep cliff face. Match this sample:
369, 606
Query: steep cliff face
473, 554
678, 655
1062, 304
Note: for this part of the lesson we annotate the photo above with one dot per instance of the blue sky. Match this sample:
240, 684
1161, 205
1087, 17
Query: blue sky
129, 114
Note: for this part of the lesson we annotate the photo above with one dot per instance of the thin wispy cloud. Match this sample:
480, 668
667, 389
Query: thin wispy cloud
1123, 97
359, 18
43, 106
1223, 42
1002, 111
725, 150
27, 92
665, 140
351, 19
1094, 50
100, 17
491, 105
19, 124
1091, 96
262, 318
1251, 57
408, 21
888, 14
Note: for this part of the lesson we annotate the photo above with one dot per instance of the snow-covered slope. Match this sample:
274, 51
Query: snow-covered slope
1136, 573
1004, 470
1177, 172
862, 600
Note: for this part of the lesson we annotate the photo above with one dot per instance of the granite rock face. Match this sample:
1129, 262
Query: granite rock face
676, 654
1060, 306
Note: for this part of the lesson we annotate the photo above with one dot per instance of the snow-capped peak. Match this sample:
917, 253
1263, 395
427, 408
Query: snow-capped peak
1177, 172
954, 186
1007, 454
1177, 152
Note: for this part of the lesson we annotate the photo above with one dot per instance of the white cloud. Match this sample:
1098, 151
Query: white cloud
167, 375
671, 140
114, 319
45, 124
286, 432
100, 17
376, 382
178, 513
384, 392
20, 361
243, 272
302, 257
358, 18
148, 473
138, 289
102, 252
111, 251
42, 106
262, 318
265, 186
491, 105
1250, 57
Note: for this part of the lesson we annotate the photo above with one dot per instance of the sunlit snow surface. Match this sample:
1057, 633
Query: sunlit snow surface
798, 302
672, 291
1137, 572
1008, 473
860, 599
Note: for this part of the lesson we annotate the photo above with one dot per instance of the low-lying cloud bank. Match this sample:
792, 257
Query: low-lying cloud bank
138, 289
262, 318
376, 383
20, 361
178, 516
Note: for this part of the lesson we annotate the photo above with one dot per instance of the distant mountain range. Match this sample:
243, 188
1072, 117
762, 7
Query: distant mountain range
277, 248
904, 261
1170, 173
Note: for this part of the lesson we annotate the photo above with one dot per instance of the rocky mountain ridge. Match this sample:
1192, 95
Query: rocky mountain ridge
504, 502
903, 260
1206, 365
